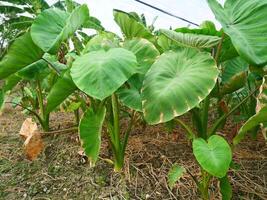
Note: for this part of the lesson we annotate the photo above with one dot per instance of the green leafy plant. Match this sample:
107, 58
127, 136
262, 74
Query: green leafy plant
155, 77
214, 155
43, 72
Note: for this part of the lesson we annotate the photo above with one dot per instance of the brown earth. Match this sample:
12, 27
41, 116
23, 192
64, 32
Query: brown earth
60, 173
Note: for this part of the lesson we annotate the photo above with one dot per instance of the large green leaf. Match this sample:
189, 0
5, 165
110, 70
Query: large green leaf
22, 53
245, 22
192, 39
177, 82
54, 26
90, 132
175, 173
60, 91
101, 73
144, 51
234, 75
214, 156
130, 26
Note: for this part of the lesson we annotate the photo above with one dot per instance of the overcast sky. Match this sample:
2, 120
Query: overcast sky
193, 10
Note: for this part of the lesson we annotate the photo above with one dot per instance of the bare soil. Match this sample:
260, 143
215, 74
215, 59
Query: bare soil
61, 173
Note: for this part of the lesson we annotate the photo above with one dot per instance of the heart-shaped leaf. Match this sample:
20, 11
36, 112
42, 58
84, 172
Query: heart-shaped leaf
54, 26
214, 156
100, 73
176, 83
90, 132
245, 22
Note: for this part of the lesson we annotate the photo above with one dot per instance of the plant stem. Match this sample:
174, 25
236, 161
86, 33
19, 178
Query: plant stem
31, 111
77, 116
204, 117
45, 117
115, 111
118, 153
190, 133
197, 121
204, 185
40, 97
126, 135
52, 66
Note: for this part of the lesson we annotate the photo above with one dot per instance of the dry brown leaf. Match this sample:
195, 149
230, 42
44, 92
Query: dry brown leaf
33, 144
27, 128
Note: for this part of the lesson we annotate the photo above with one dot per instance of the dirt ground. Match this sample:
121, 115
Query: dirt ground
60, 173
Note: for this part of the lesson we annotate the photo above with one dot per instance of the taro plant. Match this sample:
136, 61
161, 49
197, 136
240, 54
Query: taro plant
38, 57
195, 69
110, 71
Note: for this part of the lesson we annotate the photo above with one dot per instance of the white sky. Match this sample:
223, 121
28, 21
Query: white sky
193, 10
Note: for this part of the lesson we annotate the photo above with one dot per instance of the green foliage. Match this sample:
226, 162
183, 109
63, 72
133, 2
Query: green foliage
23, 52
246, 26
90, 132
145, 52
54, 26
63, 87
192, 39
103, 40
226, 188
36, 70
100, 73
177, 82
214, 156
259, 118
130, 97
93, 23
234, 75
130, 26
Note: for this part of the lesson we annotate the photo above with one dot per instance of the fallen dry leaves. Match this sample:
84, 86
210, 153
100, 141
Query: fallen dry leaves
33, 144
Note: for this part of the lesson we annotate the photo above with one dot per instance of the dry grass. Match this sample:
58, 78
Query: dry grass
60, 173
